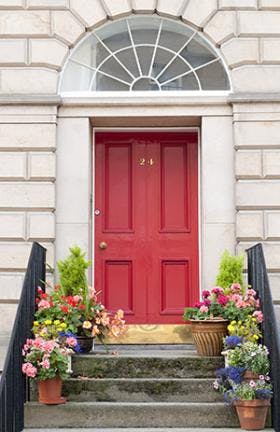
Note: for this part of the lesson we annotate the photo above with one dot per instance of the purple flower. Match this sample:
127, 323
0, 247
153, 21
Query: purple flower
232, 341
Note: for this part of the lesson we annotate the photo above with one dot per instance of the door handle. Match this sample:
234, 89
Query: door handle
103, 245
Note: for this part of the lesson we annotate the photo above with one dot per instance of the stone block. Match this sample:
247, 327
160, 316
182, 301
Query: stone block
12, 166
199, 16
67, 27
270, 50
143, 6
118, 8
50, 52
249, 225
41, 166
240, 51
90, 12
270, 4
272, 225
238, 4
73, 179
11, 4
47, 4
171, 8
274, 282
248, 163
271, 253
12, 225
13, 51
40, 226
215, 239
15, 255
217, 170
257, 134
256, 78
15, 195
24, 23
271, 163
11, 285
25, 136
258, 23
9, 312
221, 27
258, 194
69, 234
28, 81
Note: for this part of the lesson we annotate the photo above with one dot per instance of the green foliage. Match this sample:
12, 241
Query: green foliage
72, 273
230, 270
251, 356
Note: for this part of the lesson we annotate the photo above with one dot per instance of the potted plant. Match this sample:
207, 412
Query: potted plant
73, 306
47, 362
230, 342
210, 317
252, 357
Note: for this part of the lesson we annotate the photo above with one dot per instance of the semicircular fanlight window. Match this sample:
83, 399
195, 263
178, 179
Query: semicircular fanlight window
144, 53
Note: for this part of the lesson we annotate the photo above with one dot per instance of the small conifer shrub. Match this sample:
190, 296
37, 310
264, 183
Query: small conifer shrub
230, 270
72, 273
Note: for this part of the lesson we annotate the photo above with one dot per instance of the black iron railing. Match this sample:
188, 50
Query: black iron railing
13, 384
258, 279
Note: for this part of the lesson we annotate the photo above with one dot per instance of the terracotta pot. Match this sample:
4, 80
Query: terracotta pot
50, 391
252, 413
249, 376
85, 343
208, 336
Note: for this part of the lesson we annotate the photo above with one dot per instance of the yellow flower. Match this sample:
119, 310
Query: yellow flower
35, 323
60, 329
255, 337
233, 322
56, 322
63, 325
48, 322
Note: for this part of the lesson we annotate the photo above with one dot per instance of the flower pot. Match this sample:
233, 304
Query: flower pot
252, 413
50, 391
85, 343
249, 376
208, 336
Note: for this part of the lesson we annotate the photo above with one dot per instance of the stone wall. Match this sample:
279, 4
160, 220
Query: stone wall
35, 39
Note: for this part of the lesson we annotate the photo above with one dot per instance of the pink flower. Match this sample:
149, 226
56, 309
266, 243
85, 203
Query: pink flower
77, 298
222, 299
251, 292
235, 288
252, 384
261, 377
46, 364
44, 304
71, 341
207, 302
29, 370
217, 290
259, 316
199, 304
205, 294
203, 309
49, 346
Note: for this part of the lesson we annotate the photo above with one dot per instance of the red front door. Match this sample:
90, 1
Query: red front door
146, 217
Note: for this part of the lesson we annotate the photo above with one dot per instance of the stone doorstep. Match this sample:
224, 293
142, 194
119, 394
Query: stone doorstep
129, 415
138, 390
142, 430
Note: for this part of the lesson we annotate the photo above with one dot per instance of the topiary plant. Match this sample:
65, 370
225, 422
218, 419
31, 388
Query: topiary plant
230, 270
72, 273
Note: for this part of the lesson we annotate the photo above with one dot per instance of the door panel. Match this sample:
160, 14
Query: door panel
147, 194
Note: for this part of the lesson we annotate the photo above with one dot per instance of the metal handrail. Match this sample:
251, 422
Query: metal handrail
258, 279
13, 387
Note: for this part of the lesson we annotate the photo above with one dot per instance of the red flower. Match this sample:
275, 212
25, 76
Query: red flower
64, 309
82, 306
205, 294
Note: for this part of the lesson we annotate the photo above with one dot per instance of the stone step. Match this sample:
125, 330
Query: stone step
148, 365
138, 390
143, 430
129, 415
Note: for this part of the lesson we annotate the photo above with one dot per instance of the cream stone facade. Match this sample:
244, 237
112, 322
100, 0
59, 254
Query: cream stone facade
47, 138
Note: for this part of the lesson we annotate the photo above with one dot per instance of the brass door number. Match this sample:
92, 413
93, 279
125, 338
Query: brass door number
143, 162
